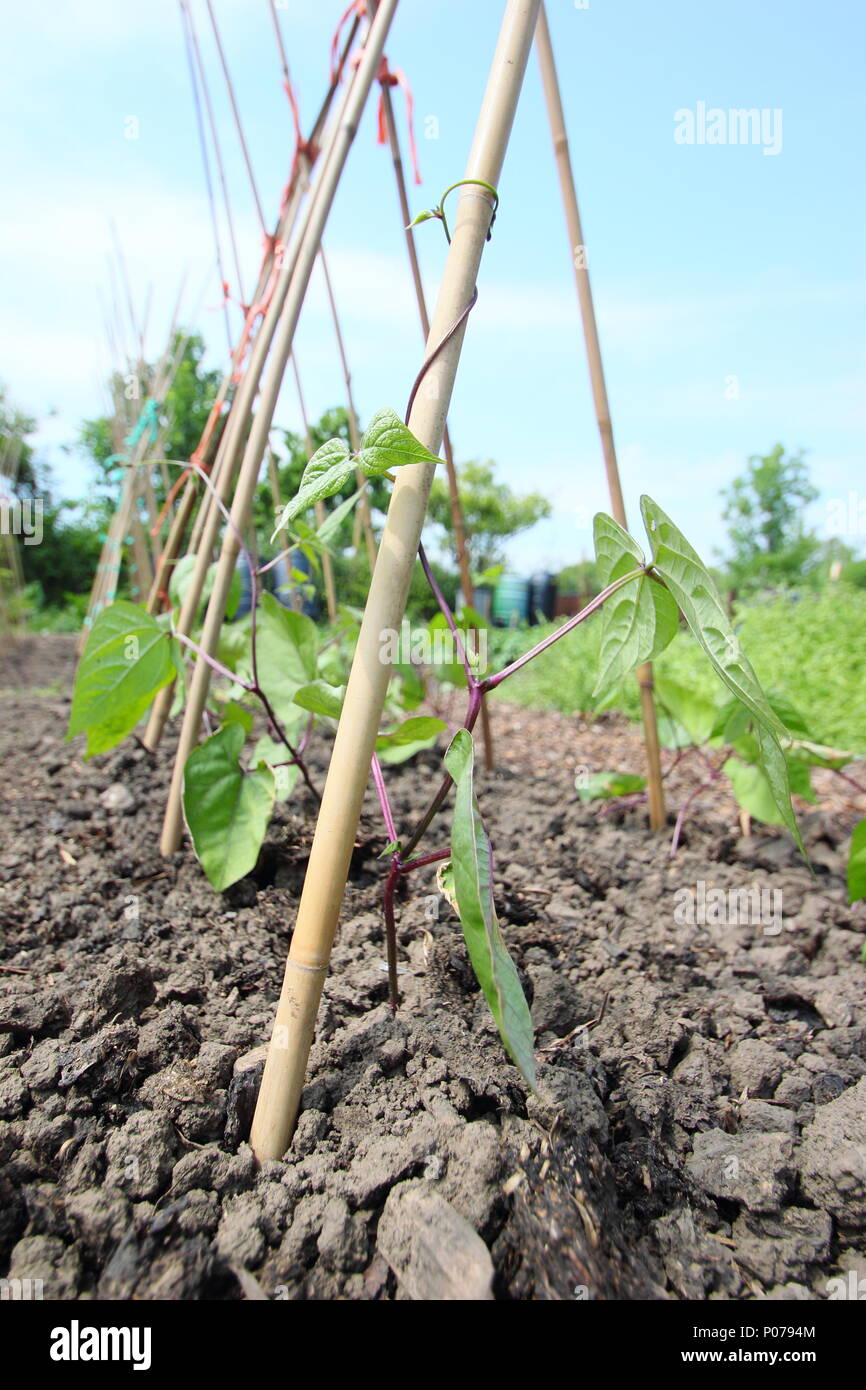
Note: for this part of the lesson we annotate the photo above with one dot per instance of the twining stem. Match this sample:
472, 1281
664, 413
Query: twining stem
475, 698
391, 931
440, 347
385, 804
462, 183
212, 662
449, 616
684, 809
425, 860
491, 682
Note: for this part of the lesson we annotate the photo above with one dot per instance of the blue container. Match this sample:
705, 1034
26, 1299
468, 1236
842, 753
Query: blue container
246, 599
288, 590
543, 597
511, 601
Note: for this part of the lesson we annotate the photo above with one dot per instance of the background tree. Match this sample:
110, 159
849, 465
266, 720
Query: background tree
492, 512
764, 509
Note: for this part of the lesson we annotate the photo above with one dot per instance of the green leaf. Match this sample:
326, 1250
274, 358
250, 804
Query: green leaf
234, 646
392, 847
604, 786
424, 217
326, 474
452, 671
287, 647
755, 794
412, 736
694, 590
411, 731
388, 444
639, 620
227, 809
473, 891
321, 698
286, 774
857, 864
180, 580
682, 710
127, 659
233, 713
333, 521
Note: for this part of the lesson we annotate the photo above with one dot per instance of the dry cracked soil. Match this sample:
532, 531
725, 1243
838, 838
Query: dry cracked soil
699, 1129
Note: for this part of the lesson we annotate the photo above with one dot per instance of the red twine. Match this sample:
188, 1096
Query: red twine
398, 78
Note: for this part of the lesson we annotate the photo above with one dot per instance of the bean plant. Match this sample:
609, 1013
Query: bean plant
278, 661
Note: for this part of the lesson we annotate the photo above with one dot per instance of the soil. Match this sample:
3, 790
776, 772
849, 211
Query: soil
699, 1130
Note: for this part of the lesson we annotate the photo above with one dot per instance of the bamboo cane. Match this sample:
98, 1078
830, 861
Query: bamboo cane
307, 245
354, 431
225, 468
556, 118
353, 747
457, 521
108, 569
327, 566
234, 438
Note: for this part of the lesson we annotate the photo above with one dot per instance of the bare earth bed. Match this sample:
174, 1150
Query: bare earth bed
704, 1136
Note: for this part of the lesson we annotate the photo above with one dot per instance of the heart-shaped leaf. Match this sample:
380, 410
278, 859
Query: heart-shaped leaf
389, 444
128, 658
226, 808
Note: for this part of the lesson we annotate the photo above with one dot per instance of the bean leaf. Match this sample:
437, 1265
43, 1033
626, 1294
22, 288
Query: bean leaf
388, 444
326, 474
697, 596
604, 786
321, 698
473, 890
639, 620
857, 864
226, 808
420, 728
128, 658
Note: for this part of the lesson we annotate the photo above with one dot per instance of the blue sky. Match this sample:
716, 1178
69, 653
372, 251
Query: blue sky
709, 262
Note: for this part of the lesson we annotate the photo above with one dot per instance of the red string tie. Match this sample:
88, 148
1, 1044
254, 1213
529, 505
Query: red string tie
398, 78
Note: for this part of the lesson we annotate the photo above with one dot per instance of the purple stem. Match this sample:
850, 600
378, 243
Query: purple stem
850, 781
491, 682
391, 932
449, 616
213, 663
383, 799
678, 828
476, 695
407, 867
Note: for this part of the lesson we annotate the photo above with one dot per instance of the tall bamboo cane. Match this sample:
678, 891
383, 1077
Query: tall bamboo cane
457, 521
306, 248
356, 734
327, 566
354, 430
556, 118
234, 437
